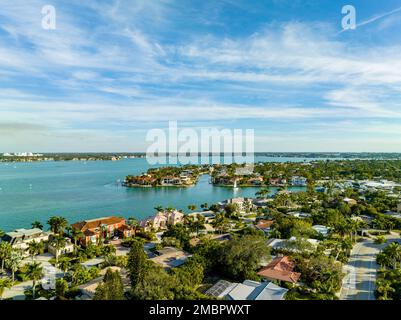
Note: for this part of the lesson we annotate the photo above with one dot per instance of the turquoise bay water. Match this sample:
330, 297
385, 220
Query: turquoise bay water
83, 190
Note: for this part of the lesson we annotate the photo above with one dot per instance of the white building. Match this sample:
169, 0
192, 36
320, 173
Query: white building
20, 238
298, 181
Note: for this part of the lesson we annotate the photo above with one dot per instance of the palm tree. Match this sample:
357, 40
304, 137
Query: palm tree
133, 223
384, 288
58, 242
2, 233
394, 253
192, 207
76, 235
35, 248
158, 208
57, 224
4, 283
14, 261
35, 272
64, 264
262, 192
5, 252
37, 224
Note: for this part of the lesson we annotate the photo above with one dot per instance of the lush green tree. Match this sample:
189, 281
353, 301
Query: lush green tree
57, 224
179, 232
34, 271
35, 248
64, 264
5, 283
240, 257
76, 235
156, 284
137, 264
58, 242
61, 287
192, 207
37, 224
112, 287
13, 261
5, 253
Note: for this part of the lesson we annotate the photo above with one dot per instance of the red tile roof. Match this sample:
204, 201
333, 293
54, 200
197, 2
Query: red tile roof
280, 269
264, 224
97, 223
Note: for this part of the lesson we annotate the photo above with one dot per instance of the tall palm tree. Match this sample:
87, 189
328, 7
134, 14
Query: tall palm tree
64, 264
34, 271
158, 208
5, 252
37, 224
76, 235
4, 283
35, 248
57, 224
393, 251
133, 223
58, 242
14, 262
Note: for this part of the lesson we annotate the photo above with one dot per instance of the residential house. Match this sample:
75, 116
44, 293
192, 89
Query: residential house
322, 230
298, 181
280, 269
277, 182
247, 290
162, 219
170, 181
20, 238
242, 203
256, 181
106, 227
67, 248
287, 244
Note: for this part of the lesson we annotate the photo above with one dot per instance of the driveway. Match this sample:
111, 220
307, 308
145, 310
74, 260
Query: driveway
360, 279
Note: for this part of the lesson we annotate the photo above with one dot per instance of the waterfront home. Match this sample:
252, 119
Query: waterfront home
223, 179
67, 248
162, 219
322, 230
247, 290
170, 257
280, 269
142, 180
20, 238
256, 181
298, 181
208, 215
102, 228
277, 182
242, 203
171, 181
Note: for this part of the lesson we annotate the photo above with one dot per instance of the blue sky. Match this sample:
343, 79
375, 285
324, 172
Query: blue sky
110, 72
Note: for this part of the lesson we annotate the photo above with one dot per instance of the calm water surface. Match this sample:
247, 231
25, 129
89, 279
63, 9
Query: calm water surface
82, 190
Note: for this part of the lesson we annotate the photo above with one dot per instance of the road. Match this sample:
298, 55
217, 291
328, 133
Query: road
360, 279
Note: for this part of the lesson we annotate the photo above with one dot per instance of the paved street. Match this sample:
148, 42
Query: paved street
359, 282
